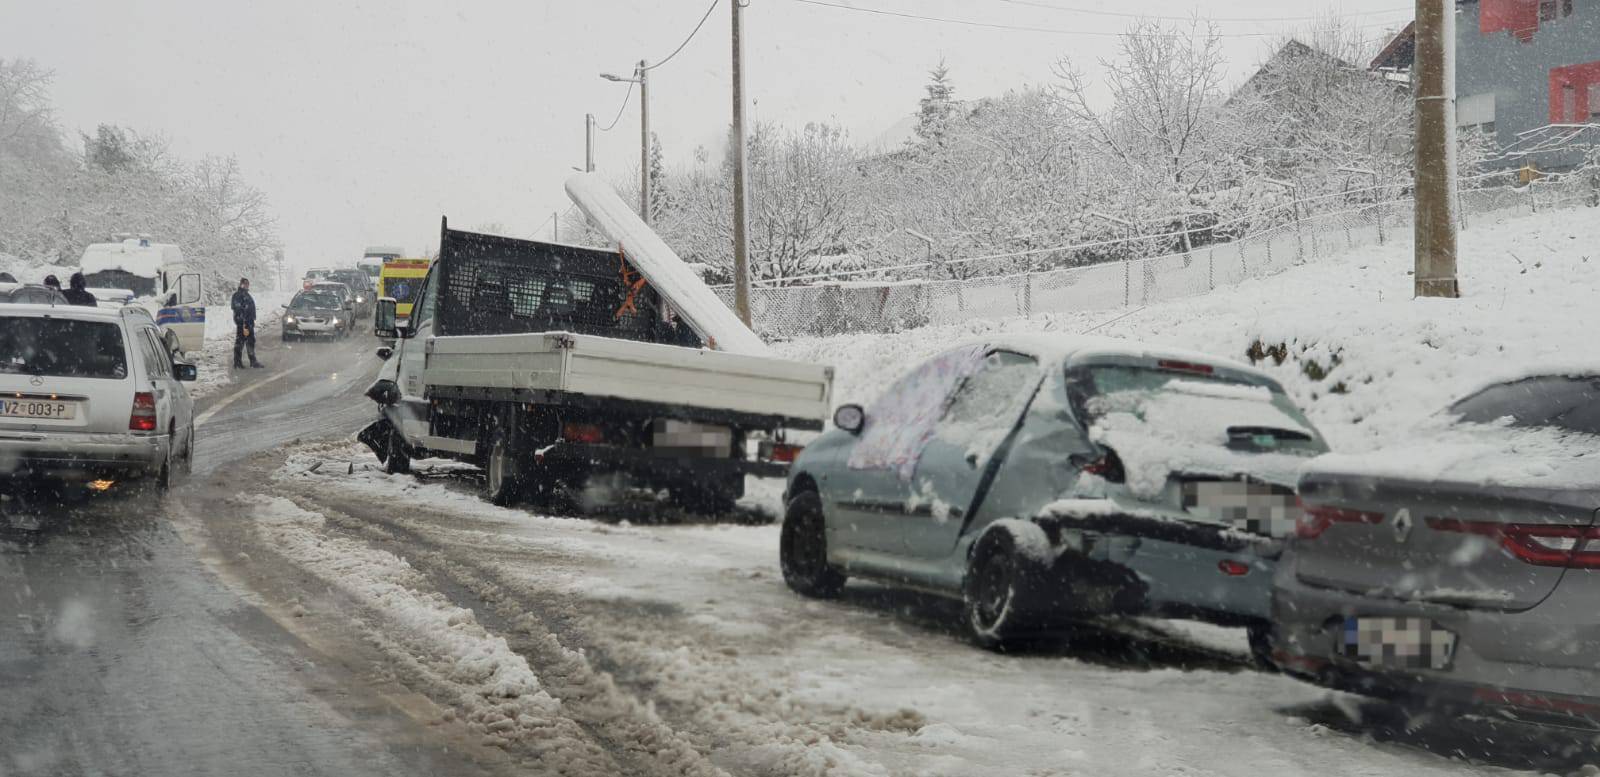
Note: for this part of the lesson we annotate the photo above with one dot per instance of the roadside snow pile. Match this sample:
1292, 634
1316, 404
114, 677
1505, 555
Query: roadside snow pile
497, 693
1344, 335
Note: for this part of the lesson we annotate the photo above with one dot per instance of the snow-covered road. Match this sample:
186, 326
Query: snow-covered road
707, 648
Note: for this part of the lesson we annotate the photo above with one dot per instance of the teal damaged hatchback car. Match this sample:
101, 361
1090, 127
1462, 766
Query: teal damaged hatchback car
1041, 479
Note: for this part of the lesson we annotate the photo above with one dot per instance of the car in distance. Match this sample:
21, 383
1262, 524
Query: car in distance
1460, 569
347, 300
1042, 478
31, 294
91, 396
315, 313
314, 275
366, 298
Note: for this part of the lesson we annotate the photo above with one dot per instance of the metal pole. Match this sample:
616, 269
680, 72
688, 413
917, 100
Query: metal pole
588, 142
1435, 242
741, 193
644, 143
555, 227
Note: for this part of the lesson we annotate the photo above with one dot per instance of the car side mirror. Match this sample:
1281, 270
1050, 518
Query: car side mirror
850, 418
384, 352
384, 392
188, 288
185, 372
383, 324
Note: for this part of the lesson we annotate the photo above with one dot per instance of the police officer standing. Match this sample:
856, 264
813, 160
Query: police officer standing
244, 324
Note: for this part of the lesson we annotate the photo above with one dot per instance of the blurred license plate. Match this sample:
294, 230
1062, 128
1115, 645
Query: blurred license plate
37, 408
1397, 643
1257, 508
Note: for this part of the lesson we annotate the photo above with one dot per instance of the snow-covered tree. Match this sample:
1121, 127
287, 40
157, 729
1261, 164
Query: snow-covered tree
938, 108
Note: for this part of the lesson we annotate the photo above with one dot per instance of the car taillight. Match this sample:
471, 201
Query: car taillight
143, 417
1108, 466
1233, 568
781, 453
1539, 544
584, 433
1313, 521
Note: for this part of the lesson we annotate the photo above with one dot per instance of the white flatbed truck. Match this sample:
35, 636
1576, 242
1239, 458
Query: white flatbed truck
546, 364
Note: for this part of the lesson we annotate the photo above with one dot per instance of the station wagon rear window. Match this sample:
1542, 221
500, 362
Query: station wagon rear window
65, 348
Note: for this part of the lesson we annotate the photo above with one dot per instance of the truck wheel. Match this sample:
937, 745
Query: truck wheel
502, 470
989, 602
803, 549
395, 460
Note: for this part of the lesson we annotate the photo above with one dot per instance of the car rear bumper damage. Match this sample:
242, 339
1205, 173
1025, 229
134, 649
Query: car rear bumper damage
1184, 569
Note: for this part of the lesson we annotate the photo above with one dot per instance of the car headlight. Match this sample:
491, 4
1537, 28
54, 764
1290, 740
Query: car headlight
336, 322
288, 319
360, 298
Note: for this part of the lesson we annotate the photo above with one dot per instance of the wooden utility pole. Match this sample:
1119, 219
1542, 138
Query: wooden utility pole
1435, 85
741, 193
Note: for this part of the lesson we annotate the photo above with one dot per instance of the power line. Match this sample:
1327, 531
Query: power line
685, 42
1025, 28
1130, 15
620, 108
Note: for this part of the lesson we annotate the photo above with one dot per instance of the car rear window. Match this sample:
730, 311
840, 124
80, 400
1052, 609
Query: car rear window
1562, 402
1094, 391
62, 347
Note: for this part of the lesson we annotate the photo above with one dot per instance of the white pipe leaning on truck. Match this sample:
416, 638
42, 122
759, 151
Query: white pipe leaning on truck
546, 364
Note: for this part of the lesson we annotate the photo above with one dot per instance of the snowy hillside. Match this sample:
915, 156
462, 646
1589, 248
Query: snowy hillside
1364, 358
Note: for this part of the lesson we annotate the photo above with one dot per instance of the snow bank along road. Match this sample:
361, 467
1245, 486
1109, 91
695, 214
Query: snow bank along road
300, 612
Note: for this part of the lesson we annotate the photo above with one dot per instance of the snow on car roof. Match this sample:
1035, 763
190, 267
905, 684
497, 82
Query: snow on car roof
1077, 348
65, 311
129, 256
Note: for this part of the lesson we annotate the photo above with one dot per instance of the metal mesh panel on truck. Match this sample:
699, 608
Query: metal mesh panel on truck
491, 285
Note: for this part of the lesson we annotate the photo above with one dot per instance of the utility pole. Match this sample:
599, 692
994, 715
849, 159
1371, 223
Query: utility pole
741, 193
640, 77
644, 143
588, 142
1436, 138
555, 227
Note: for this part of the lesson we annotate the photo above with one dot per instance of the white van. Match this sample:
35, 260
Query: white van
158, 278
91, 396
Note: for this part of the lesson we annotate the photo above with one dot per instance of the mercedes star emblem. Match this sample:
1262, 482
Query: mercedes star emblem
1402, 525
36, 380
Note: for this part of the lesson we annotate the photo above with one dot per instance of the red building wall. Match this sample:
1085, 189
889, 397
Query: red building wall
1519, 17
1579, 78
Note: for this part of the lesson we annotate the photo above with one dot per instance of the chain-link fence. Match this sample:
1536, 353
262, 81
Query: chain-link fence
839, 307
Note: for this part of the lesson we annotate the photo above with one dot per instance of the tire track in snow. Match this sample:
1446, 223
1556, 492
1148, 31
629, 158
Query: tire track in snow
626, 730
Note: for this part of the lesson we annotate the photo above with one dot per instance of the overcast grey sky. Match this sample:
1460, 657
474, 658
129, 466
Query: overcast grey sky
365, 121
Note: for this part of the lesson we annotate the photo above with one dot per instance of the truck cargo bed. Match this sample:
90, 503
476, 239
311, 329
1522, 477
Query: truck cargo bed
534, 365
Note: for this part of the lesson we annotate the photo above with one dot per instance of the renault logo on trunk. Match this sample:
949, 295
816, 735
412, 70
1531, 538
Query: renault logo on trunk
1402, 525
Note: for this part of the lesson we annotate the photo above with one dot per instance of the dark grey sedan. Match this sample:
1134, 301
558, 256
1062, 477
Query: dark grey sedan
1462, 569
